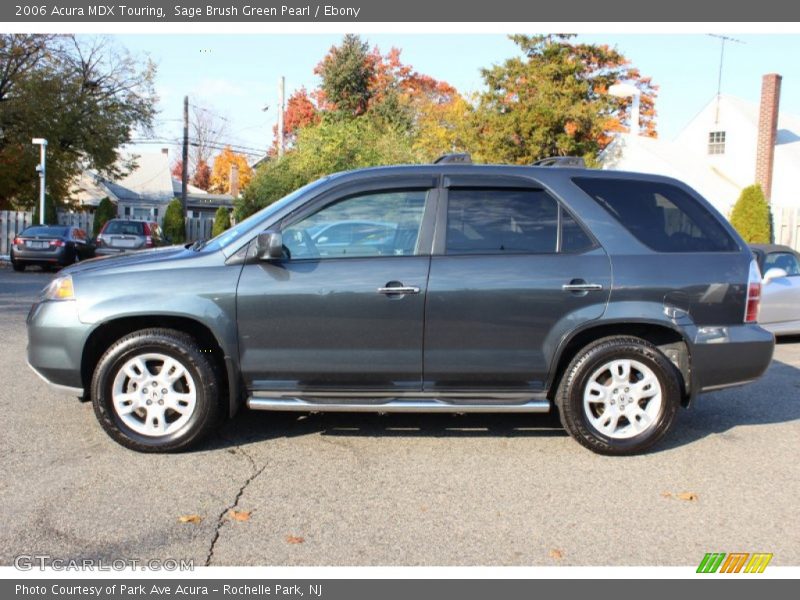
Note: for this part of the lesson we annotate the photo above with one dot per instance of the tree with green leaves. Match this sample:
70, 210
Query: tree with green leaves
346, 73
330, 146
751, 216
554, 101
222, 221
174, 224
86, 96
106, 210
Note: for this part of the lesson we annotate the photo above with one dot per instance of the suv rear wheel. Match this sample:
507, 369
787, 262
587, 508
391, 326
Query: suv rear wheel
619, 396
155, 391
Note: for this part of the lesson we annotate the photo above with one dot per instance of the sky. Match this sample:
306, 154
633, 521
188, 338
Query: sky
235, 77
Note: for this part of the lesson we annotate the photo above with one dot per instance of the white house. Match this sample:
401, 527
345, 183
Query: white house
729, 145
145, 191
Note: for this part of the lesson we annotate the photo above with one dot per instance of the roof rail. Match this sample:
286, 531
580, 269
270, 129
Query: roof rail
462, 158
561, 161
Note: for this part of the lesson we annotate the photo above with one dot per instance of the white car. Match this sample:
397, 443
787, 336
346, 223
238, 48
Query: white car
780, 291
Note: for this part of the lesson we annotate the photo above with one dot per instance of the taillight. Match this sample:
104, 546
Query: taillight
99, 241
57, 243
18, 241
148, 241
753, 294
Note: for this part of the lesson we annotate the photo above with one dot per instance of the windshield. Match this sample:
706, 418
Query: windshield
238, 231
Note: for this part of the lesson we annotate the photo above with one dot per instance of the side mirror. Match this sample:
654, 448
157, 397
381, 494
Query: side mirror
269, 245
774, 273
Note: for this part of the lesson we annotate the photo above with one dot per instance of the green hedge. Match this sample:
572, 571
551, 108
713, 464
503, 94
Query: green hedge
222, 220
751, 216
106, 211
174, 223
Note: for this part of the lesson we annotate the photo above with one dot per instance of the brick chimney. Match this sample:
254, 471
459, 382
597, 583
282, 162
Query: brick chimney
234, 181
767, 130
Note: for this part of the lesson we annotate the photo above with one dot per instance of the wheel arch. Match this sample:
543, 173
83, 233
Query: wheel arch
106, 333
669, 339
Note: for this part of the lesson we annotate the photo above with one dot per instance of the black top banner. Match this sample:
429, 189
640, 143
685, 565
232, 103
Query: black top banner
367, 11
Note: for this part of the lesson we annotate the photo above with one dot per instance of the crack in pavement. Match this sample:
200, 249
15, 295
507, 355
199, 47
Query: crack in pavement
221, 518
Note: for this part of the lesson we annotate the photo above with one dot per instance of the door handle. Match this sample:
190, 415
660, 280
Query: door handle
578, 285
398, 290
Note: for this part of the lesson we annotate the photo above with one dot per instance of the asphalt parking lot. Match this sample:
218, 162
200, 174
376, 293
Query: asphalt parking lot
395, 489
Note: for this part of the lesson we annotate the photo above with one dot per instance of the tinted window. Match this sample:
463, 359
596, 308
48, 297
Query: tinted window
124, 228
660, 215
487, 221
373, 224
782, 260
48, 230
573, 238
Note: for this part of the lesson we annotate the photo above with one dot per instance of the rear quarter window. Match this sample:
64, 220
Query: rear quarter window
660, 215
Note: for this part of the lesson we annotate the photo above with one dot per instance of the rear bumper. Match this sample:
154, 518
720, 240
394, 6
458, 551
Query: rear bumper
725, 356
57, 255
56, 339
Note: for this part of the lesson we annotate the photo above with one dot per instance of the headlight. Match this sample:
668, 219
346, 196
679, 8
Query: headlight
59, 289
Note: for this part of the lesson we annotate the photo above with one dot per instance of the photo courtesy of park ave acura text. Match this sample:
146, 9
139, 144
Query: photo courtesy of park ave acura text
318, 293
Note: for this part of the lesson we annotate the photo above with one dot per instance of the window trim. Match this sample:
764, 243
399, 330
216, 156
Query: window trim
361, 188
509, 183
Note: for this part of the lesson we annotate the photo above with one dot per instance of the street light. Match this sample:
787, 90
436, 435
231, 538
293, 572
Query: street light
42, 143
626, 90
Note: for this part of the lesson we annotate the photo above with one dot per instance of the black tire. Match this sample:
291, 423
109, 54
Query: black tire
569, 397
178, 346
17, 266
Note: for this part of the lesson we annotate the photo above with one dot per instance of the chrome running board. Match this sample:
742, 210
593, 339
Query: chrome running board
394, 406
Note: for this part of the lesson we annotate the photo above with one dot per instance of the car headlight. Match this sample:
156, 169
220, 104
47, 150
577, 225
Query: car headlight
59, 289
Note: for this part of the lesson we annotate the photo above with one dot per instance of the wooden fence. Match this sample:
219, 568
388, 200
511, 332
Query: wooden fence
12, 222
787, 226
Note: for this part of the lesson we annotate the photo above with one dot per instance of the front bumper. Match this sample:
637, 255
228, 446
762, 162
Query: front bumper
56, 339
725, 356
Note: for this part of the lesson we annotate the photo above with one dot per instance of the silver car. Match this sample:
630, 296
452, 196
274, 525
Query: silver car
780, 293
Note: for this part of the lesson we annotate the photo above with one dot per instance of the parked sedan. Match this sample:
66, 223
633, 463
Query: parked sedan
49, 246
124, 235
780, 296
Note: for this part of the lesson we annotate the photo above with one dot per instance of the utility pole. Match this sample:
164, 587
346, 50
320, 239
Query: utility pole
42, 143
281, 109
185, 157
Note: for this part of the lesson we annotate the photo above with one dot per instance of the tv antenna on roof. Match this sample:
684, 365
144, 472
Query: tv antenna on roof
722, 39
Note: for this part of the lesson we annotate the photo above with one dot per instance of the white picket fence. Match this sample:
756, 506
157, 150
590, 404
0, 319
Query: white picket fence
12, 222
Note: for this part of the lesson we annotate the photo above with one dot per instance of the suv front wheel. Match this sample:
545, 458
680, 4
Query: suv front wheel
619, 396
154, 390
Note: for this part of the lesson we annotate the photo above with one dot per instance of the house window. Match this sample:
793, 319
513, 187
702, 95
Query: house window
716, 142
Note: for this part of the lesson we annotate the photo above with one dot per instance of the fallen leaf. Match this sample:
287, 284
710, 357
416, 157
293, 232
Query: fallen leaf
193, 519
556, 553
423, 508
688, 496
294, 539
239, 515
666, 494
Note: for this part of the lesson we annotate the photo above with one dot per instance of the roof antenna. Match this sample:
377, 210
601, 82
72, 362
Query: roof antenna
722, 39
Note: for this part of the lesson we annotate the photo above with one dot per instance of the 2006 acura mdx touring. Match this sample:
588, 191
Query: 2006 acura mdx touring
613, 297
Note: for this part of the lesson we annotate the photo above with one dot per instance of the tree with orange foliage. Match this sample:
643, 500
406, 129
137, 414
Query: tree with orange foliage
300, 112
554, 101
202, 176
221, 173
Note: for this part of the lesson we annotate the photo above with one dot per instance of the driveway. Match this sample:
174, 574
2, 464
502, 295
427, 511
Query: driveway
361, 489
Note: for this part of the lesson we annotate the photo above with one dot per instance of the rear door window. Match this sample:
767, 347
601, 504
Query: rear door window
661, 216
499, 221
